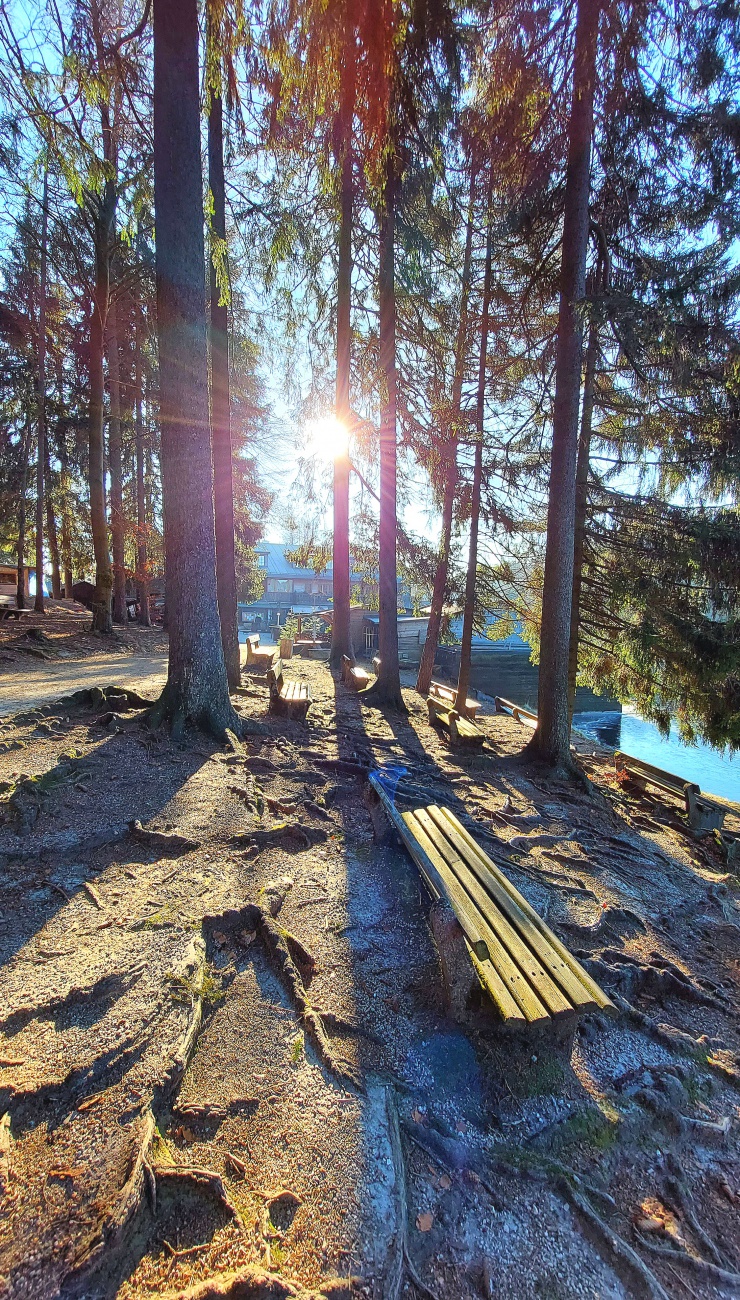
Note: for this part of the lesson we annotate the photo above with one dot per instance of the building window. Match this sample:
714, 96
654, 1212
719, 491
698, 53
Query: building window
261, 560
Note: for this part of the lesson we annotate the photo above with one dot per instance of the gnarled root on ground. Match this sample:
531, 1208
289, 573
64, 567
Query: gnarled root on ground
401, 1266
287, 954
639, 1280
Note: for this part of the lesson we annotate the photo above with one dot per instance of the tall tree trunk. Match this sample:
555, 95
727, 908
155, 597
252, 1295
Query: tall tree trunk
20, 591
142, 560
386, 689
428, 654
38, 603
65, 485
197, 687
463, 679
51, 526
584, 451
115, 461
341, 631
551, 740
104, 218
221, 403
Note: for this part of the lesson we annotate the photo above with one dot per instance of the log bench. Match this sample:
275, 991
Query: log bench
461, 731
291, 698
447, 696
353, 676
531, 978
702, 812
259, 656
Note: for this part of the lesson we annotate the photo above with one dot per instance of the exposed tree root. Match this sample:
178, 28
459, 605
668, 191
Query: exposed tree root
617, 921
164, 841
250, 1283
112, 1238
278, 944
287, 835
658, 979
700, 1267
402, 1265
639, 1280
680, 1194
203, 1179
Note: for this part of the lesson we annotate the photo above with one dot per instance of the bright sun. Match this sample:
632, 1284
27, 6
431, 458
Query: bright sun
327, 438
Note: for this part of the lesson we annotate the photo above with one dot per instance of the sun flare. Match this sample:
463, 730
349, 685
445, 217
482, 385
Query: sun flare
327, 438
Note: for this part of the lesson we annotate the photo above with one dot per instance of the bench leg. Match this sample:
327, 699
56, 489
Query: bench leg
460, 981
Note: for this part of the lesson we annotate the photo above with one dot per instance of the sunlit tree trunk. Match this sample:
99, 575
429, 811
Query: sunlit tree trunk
51, 526
197, 686
551, 740
449, 452
104, 215
220, 405
341, 638
584, 450
41, 401
386, 689
142, 559
20, 591
463, 680
115, 461
65, 488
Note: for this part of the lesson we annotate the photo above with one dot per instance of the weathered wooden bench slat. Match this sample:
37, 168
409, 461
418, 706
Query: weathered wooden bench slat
530, 973
555, 982
461, 731
445, 882
472, 924
593, 990
703, 813
289, 697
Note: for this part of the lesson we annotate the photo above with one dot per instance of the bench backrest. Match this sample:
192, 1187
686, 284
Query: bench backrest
275, 676
254, 641
656, 775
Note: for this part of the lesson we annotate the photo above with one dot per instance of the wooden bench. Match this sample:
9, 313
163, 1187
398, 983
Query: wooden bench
353, 676
460, 730
702, 812
259, 657
12, 611
518, 713
291, 698
447, 696
528, 973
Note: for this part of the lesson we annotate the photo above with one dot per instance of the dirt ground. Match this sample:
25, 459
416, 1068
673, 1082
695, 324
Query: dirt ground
224, 1045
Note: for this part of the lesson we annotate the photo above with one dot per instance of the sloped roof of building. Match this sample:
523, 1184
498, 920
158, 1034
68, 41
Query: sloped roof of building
278, 566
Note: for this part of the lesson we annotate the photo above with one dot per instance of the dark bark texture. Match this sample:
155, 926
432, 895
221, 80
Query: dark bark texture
341, 633
20, 591
104, 208
141, 515
579, 538
386, 689
449, 452
221, 411
41, 404
196, 687
463, 679
115, 461
551, 740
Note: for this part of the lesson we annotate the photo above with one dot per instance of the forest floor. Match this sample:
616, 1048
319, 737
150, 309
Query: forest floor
183, 1102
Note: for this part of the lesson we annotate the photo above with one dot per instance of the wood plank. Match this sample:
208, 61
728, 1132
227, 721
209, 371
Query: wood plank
428, 867
593, 991
529, 970
447, 885
497, 991
567, 981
